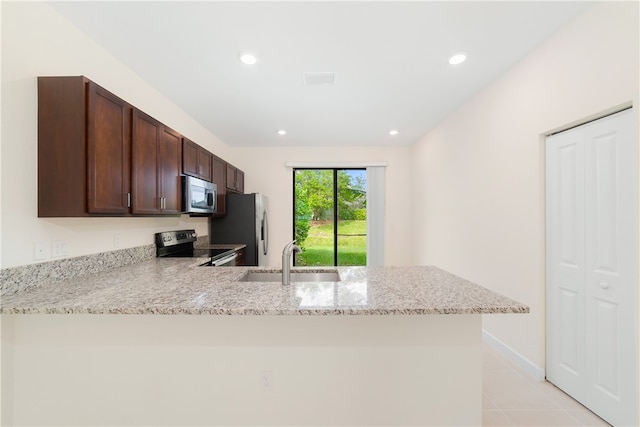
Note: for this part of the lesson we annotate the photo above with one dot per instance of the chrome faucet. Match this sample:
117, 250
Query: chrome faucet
286, 261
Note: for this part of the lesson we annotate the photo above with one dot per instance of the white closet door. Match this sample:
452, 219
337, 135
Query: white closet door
565, 262
611, 268
592, 299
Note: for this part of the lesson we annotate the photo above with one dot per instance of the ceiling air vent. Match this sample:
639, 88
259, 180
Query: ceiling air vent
317, 78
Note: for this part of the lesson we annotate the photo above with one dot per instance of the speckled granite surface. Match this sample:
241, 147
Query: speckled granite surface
179, 286
16, 279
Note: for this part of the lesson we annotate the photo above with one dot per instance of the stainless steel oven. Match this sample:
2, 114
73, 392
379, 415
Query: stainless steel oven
172, 244
227, 259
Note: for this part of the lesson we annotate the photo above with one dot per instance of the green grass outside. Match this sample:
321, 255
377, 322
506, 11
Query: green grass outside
318, 247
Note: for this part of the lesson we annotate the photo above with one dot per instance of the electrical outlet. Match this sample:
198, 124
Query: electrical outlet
59, 248
117, 241
266, 381
40, 250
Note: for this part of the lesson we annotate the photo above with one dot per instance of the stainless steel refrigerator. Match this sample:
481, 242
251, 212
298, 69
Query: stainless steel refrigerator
246, 222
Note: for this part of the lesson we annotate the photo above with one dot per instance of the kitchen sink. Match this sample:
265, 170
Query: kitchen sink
296, 276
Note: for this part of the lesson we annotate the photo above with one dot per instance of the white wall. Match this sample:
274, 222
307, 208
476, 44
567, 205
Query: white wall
479, 175
36, 41
270, 177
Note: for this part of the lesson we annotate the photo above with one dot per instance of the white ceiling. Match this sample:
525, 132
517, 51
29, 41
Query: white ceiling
390, 61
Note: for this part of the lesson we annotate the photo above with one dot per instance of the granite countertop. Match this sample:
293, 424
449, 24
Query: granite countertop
179, 286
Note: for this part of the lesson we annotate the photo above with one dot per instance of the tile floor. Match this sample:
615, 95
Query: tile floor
512, 397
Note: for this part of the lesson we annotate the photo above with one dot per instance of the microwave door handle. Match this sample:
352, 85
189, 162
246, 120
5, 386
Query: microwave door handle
209, 199
224, 260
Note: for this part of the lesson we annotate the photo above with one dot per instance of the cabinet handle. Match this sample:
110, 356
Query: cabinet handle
128, 200
161, 202
604, 285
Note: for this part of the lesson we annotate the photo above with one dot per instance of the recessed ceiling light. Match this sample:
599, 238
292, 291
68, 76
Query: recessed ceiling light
458, 58
249, 59
282, 132
393, 132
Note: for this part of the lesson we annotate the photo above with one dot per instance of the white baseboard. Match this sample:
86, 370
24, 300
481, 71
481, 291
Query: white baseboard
516, 358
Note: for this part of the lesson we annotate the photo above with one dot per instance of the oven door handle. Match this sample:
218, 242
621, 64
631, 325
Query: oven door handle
224, 260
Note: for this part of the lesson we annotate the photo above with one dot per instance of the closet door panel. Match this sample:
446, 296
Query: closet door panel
565, 261
611, 267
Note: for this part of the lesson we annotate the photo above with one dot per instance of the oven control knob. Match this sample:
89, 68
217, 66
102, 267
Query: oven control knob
194, 235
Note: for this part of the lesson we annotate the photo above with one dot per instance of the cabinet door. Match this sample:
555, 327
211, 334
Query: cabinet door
108, 152
239, 181
220, 180
144, 162
169, 162
190, 157
204, 164
62, 155
231, 177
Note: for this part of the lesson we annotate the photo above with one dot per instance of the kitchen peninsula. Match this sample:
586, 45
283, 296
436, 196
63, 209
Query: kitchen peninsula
165, 342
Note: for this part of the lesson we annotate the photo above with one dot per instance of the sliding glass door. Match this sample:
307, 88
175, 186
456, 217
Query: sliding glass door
330, 216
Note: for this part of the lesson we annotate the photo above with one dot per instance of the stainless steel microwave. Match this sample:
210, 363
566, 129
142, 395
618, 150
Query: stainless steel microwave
198, 196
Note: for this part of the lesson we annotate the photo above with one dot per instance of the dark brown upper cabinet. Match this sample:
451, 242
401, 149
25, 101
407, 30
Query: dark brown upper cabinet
100, 156
156, 165
235, 179
220, 180
169, 172
196, 161
239, 181
228, 179
84, 146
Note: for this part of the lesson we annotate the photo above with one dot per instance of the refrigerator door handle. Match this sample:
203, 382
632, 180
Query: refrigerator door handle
265, 233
